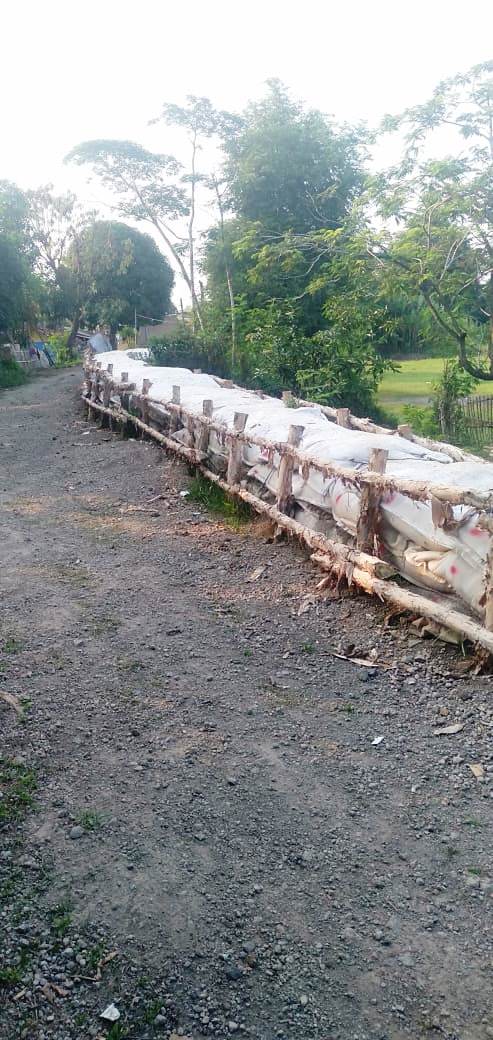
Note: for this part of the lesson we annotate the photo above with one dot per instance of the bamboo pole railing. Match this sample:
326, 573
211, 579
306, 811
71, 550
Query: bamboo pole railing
358, 564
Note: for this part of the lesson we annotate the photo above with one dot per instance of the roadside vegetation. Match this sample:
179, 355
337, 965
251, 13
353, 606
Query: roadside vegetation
11, 374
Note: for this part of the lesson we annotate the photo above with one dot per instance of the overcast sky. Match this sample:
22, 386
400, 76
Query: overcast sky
102, 68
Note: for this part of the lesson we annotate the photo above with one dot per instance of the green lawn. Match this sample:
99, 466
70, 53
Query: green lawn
413, 383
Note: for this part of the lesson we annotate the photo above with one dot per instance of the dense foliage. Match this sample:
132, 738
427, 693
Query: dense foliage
60, 264
312, 275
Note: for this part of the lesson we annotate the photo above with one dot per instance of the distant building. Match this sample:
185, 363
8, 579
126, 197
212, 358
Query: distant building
171, 324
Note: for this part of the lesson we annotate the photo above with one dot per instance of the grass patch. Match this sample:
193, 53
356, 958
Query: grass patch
307, 648
151, 1011
10, 976
11, 645
12, 374
17, 786
215, 500
117, 1032
90, 820
412, 383
106, 623
61, 918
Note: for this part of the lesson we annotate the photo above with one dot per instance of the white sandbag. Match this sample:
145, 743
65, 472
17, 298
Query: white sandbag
450, 561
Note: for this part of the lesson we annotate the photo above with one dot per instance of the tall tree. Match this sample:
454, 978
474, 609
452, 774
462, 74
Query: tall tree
291, 168
443, 248
289, 172
156, 187
55, 224
200, 121
21, 292
120, 271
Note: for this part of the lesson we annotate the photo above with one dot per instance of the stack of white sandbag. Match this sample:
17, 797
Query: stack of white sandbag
451, 561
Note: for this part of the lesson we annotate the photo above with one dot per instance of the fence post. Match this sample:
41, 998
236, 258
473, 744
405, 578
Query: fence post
124, 401
175, 419
342, 415
236, 449
144, 405
203, 440
286, 467
370, 504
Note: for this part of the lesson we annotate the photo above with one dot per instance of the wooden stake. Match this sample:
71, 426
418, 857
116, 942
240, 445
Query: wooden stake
369, 509
342, 415
286, 467
144, 403
236, 448
488, 588
203, 439
365, 570
175, 416
404, 430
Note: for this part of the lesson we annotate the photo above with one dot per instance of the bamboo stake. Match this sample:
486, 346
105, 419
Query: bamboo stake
144, 400
415, 489
360, 567
203, 439
342, 417
175, 414
488, 587
236, 449
106, 420
286, 466
369, 508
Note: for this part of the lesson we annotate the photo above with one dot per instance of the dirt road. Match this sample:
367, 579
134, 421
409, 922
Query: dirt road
207, 819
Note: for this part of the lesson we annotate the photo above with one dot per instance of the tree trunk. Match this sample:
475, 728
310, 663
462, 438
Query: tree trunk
112, 337
191, 255
72, 337
229, 280
490, 341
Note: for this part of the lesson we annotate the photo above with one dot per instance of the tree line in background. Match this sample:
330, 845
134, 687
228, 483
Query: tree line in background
315, 272
60, 264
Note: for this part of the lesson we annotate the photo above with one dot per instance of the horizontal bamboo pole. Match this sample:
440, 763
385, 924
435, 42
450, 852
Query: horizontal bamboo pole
415, 489
367, 426
327, 559
366, 571
190, 454
421, 605
335, 551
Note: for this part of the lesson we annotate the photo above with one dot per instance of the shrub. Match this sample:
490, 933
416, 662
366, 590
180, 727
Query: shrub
57, 343
11, 374
180, 350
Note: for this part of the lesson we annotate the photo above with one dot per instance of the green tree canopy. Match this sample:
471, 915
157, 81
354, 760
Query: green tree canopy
290, 168
120, 270
442, 250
